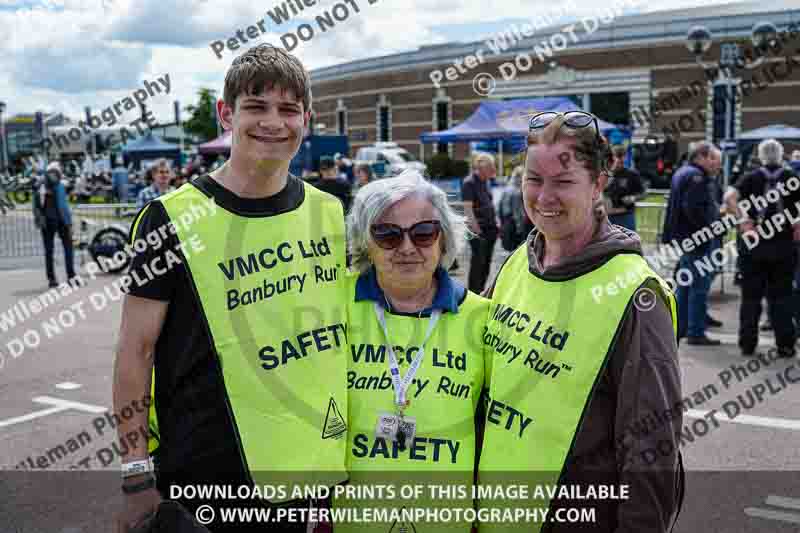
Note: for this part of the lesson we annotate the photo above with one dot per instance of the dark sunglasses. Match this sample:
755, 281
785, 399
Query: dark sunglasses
422, 234
572, 119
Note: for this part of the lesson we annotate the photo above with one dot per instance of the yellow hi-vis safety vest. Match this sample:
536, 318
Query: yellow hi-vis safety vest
271, 292
444, 396
547, 343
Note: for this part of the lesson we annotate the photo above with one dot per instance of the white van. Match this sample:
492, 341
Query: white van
389, 156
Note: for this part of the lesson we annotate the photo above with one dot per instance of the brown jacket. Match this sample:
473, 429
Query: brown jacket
625, 437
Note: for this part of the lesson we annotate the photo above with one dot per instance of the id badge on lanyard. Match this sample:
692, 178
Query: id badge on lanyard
398, 427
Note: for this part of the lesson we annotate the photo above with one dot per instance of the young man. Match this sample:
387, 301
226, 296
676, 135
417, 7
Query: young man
244, 337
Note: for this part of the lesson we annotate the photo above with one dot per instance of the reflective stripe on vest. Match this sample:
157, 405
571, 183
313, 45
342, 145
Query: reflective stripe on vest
546, 346
270, 290
444, 395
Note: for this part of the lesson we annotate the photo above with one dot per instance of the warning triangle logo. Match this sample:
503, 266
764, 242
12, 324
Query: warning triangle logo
402, 526
334, 426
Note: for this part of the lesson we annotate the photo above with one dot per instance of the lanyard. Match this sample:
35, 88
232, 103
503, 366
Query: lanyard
401, 385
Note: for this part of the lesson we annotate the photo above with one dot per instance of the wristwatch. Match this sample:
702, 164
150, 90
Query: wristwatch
133, 488
134, 468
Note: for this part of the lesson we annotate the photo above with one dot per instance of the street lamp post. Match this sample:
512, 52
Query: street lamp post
698, 41
3, 138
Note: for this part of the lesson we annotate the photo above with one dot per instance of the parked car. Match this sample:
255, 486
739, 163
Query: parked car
388, 159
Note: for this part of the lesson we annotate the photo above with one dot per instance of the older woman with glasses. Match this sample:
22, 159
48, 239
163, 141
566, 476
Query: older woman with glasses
416, 370
582, 352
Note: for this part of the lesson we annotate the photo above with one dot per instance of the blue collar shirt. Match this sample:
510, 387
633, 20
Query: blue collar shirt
449, 294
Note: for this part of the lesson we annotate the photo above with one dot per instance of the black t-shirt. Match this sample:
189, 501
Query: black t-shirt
197, 437
338, 187
476, 191
625, 182
756, 184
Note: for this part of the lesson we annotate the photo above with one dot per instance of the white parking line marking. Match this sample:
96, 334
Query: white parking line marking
68, 385
781, 501
758, 512
733, 338
779, 423
58, 406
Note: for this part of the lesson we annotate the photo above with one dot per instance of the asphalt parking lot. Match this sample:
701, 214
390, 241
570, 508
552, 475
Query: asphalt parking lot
742, 473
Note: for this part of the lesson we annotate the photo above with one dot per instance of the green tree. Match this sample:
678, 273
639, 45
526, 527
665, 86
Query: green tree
202, 121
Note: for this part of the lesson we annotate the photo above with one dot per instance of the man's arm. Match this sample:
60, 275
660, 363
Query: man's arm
143, 314
468, 197
731, 200
648, 384
142, 320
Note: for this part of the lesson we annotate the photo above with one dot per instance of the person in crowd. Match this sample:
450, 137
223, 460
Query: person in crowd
589, 356
693, 206
332, 182
795, 162
481, 221
769, 257
161, 175
246, 359
345, 168
403, 235
218, 162
53, 217
119, 182
364, 174
625, 188
180, 178
514, 222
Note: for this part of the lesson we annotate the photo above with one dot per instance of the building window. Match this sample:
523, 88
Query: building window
442, 123
383, 123
341, 118
611, 107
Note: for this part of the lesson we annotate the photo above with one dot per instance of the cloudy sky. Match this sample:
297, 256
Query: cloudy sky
62, 55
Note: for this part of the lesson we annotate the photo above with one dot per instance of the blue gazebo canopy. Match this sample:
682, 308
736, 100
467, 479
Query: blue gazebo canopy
774, 131
149, 143
508, 120
150, 147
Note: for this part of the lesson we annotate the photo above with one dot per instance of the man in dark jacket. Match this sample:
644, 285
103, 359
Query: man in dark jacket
333, 183
623, 191
693, 206
768, 257
52, 216
481, 219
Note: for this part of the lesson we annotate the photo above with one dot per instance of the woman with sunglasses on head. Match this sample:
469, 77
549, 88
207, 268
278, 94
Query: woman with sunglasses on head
416, 370
594, 358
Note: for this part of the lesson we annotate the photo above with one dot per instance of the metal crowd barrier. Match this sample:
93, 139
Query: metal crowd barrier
19, 236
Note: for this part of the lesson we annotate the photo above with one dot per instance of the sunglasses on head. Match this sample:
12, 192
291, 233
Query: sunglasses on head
572, 119
422, 234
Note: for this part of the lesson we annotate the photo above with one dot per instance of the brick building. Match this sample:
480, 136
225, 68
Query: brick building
634, 70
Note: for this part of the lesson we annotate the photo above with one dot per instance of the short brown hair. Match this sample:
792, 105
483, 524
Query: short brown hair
590, 149
265, 66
